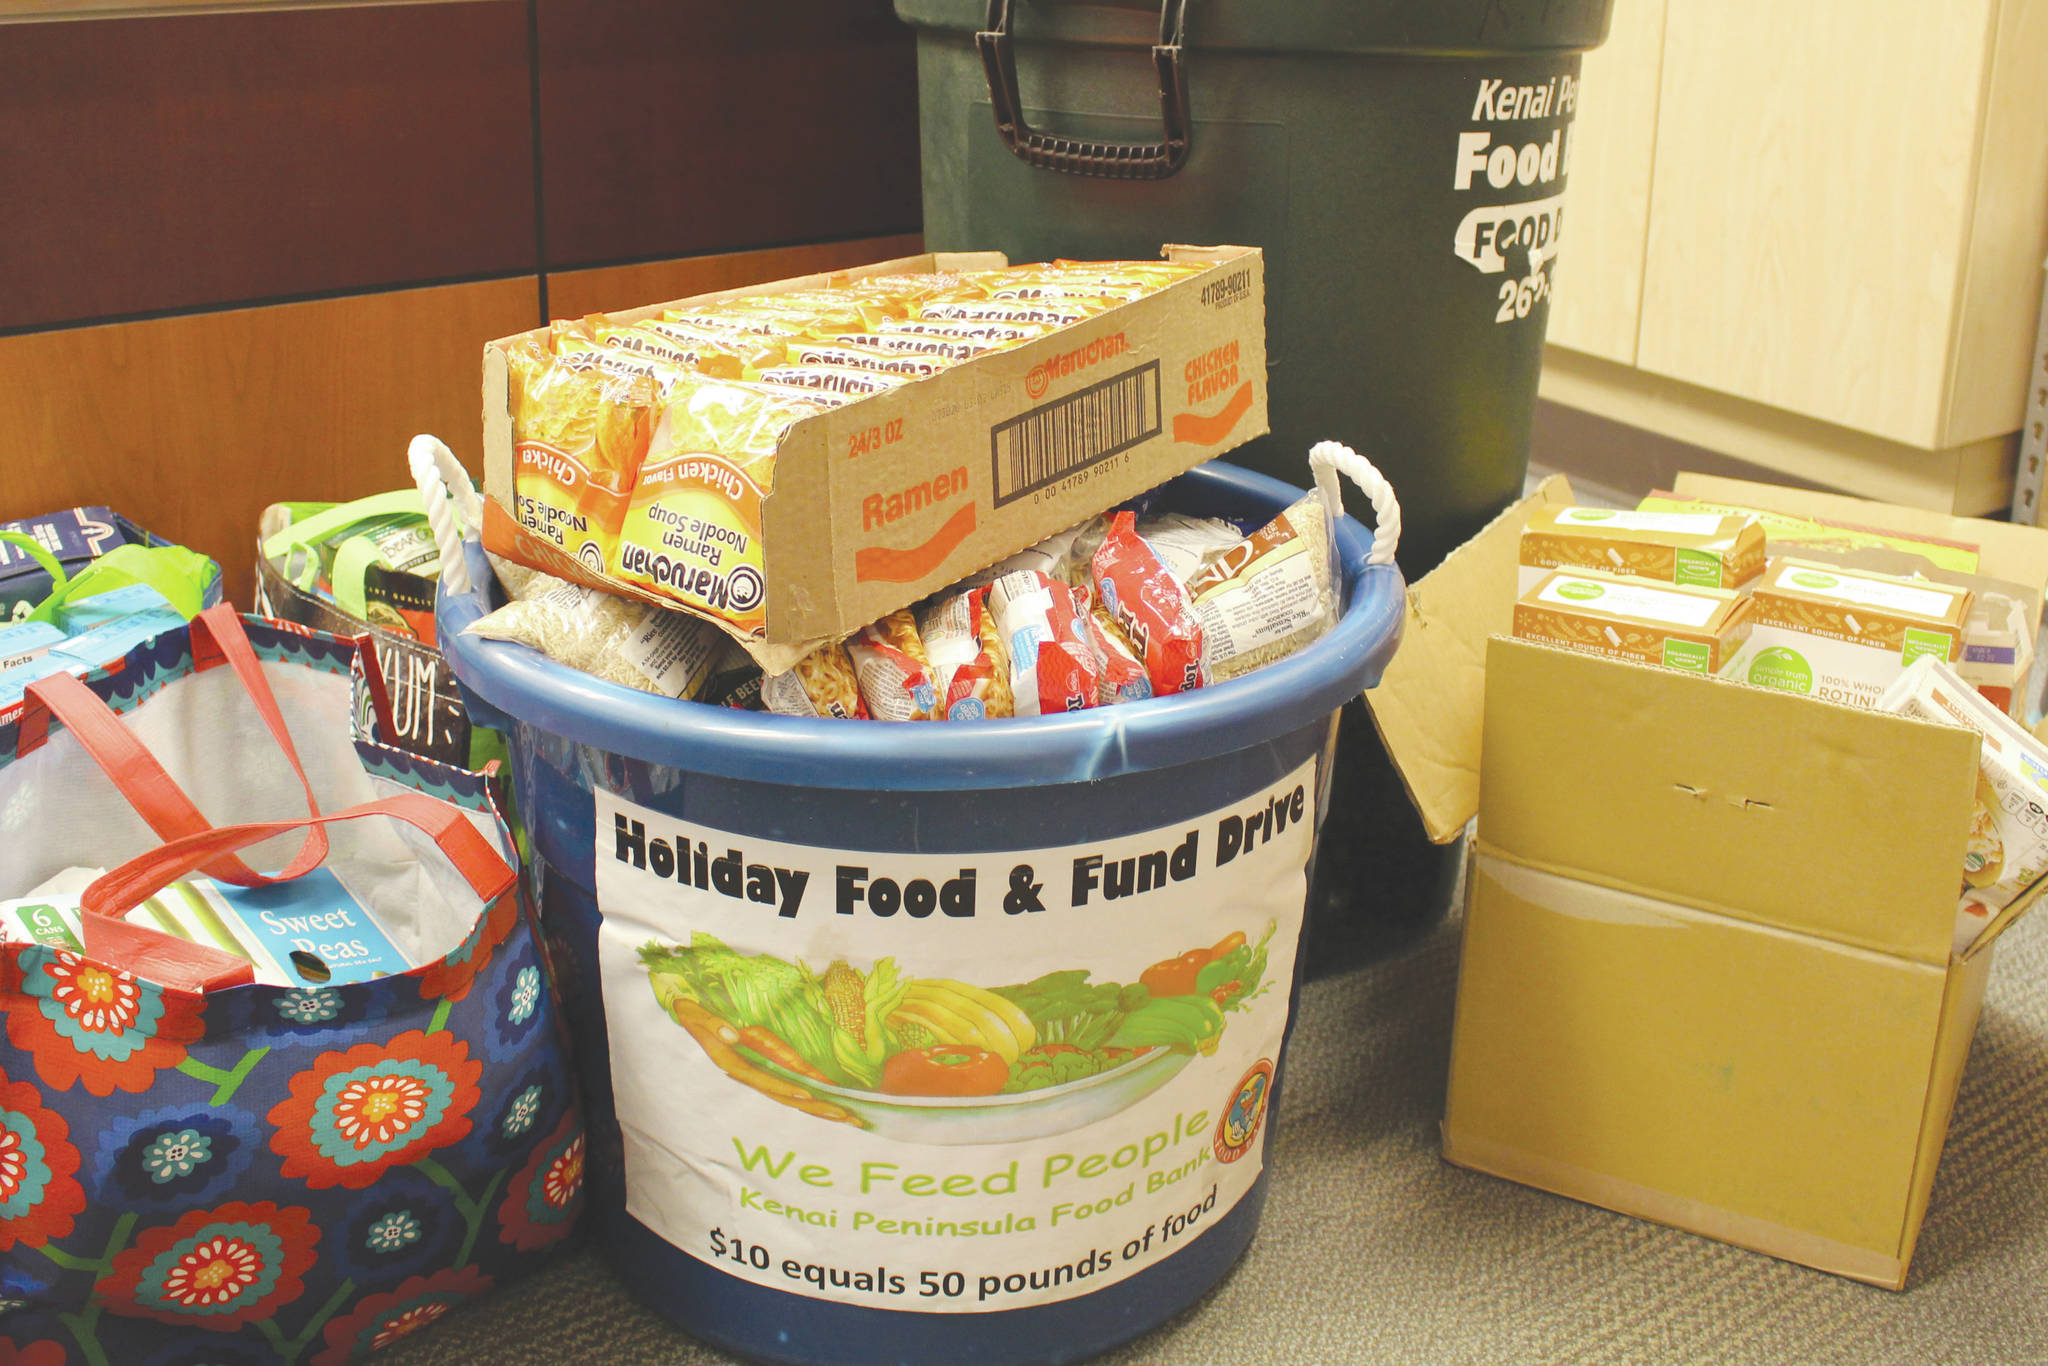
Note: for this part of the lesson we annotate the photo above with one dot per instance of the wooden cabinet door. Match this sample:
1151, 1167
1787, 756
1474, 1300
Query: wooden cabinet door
1810, 211
1598, 296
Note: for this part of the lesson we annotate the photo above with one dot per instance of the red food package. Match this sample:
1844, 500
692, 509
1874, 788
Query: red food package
894, 672
1141, 593
969, 664
1123, 674
1053, 664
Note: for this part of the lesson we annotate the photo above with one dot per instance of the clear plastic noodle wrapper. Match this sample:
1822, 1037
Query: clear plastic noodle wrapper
1142, 595
743, 315
952, 349
911, 290
821, 684
1065, 288
579, 438
1053, 665
832, 310
692, 531
833, 379
1058, 313
1164, 272
858, 358
893, 670
1185, 544
817, 398
1268, 595
1123, 674
997, 334
635, 644
721, 354
1064, 555
576, 350
970, 667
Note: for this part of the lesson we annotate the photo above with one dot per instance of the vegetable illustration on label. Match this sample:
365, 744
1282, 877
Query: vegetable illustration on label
833, 1043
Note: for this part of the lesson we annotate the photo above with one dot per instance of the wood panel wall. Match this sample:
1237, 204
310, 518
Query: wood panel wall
247, 256
193, 161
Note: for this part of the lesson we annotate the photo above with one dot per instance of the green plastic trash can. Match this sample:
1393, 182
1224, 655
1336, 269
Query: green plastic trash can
1401, 162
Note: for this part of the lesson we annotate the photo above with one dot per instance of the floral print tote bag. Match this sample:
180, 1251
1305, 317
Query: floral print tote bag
257, 1172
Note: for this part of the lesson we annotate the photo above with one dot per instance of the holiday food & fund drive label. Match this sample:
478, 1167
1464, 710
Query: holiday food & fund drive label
947, 1082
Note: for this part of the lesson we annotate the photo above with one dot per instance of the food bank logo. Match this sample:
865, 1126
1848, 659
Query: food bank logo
1070, 362
1241, 1118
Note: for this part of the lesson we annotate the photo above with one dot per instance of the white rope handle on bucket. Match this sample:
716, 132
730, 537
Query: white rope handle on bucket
454, 510
1329, 459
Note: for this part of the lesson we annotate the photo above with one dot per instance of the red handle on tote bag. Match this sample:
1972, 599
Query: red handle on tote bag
188, 966
217, 634
471, 853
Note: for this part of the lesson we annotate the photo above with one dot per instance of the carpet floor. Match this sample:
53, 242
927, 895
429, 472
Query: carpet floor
1374, 1250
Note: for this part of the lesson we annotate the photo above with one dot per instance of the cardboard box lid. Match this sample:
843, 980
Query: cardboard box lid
2015, 553
1764, 806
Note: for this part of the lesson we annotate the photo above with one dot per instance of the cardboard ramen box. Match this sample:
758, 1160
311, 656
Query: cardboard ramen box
892, 497
1708, 974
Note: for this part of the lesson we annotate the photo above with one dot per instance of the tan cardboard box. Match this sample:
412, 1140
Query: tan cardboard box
881, 502
1707, 974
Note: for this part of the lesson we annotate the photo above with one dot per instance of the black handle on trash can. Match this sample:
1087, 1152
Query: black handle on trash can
1076, 156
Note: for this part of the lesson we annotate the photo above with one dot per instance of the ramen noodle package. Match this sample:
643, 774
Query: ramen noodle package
720, 354
1139, 591
970, 666
1268, 595
913, 344
834, 379
2007, 851
996, 334
692, 528
822, 684
894, 673
803, 353
1043, 622
1057, 313
578, 439
1123, 673
619, 640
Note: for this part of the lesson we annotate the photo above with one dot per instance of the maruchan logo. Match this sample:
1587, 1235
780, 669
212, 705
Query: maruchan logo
1232, 288
738, 589
1068, 362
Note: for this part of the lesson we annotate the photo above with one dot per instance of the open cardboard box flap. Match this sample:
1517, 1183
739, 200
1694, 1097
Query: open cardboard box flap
1429, 703
2018, 554
1777, 809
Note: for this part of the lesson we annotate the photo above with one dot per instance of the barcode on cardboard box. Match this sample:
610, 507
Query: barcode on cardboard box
1055, 439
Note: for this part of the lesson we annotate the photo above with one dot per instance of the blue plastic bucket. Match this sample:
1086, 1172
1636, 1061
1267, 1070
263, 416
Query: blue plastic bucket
926, 1258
